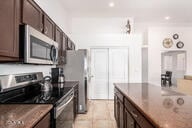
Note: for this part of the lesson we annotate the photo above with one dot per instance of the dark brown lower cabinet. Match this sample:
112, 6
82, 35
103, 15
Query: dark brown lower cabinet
128, 120
45, 122
118, 112
115, 107
127, 115
121, 115
76, 100
137, 126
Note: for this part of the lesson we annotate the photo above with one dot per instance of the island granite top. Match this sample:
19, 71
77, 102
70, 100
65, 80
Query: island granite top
163, 107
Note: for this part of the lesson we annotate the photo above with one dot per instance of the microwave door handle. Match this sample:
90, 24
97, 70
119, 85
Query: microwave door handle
57, 54
52, 53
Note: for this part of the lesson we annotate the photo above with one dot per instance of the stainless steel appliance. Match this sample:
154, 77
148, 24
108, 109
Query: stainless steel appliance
76, 69
26, 89
38, 48
65, 113
57, 75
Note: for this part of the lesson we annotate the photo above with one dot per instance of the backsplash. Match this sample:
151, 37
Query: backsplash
24, 68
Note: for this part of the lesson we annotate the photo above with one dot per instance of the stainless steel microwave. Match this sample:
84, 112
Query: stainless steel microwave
38, 48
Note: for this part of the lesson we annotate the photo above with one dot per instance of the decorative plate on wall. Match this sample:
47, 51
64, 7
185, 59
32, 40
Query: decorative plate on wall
180, 101
180, 44
175, 36
167, 43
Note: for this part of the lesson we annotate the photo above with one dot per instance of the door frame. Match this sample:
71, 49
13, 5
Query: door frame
90, 71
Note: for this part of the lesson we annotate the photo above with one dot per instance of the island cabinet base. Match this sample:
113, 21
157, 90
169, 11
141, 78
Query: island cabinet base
127, 115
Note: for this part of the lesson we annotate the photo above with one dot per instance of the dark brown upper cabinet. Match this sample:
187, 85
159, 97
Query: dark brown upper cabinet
49, 27
9, 26
58, 36
73, 46
69, 44
58, 39
16, 12
65, 41
32, 14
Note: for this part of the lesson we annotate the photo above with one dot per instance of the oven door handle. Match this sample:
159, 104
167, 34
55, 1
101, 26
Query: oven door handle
64, 105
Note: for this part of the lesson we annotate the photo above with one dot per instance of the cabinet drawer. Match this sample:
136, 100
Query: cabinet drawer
139, 118
118, 94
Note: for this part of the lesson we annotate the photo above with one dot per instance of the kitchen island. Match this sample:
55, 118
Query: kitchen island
144, 105
25, 116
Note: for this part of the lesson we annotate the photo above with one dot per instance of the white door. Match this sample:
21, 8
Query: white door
99, 71
108, 66
118, 68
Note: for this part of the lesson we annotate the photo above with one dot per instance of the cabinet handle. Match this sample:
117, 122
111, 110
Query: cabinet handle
135, 115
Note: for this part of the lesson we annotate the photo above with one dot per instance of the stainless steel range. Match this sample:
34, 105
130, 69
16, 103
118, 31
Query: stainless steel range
26, 89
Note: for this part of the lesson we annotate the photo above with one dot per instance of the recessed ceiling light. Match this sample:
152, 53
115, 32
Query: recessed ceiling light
167, 18
111, 4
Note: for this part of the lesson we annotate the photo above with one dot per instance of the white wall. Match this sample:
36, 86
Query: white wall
109, 32
6, 69
155, 38
99, 25
56, 11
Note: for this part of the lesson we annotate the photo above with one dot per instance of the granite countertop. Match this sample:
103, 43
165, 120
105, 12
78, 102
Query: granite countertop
22, 115
163, 107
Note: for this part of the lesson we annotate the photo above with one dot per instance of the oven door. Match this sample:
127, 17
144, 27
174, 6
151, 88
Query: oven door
65, 114
39, 49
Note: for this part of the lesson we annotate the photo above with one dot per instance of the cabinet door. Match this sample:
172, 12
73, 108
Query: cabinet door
58, 39
49, 28
73, 46
9, 26
32, 15
128, 120
64, 48
137, 126
121, 115
69, 44
115, 108
76, 100
45, 122
65, 40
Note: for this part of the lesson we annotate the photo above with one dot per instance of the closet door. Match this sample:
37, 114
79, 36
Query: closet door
99, 71
118, 68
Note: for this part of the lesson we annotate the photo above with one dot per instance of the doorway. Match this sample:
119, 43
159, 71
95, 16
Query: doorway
175, 62
108, 66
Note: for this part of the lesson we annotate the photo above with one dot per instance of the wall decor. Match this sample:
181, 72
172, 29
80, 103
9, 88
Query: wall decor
180, 101
180, 44
175, 36
167, 43
128, 26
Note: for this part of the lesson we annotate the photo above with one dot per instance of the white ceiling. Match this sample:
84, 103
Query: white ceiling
141, 10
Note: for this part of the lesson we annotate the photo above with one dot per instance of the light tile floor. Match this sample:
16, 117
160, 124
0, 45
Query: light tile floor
100, 115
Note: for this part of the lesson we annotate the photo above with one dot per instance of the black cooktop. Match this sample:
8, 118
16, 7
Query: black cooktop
33, 95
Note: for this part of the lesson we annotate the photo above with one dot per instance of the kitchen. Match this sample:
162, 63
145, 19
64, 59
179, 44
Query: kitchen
67, 41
